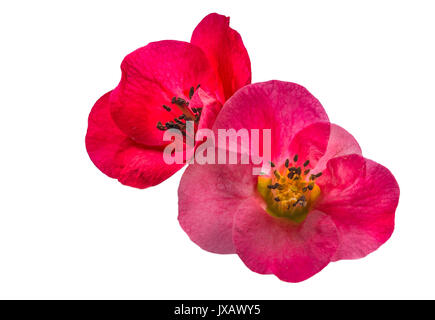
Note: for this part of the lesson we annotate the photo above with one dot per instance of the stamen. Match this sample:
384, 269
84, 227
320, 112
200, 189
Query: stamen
166, 108
272, 164
179, 102
287, 163
277, 175
179, 122
277, 199
315, 176
295, 159
274, 186
191, 92
160, 126
306, 163
307, 171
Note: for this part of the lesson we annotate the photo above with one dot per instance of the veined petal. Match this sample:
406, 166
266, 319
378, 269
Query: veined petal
225, 50
361, 197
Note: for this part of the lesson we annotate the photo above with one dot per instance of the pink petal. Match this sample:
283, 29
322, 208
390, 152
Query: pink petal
103, 137
151, 77
321, 142
293, 252
340, 143
283, 107
310, 143
225, 50
208, 196
361, 197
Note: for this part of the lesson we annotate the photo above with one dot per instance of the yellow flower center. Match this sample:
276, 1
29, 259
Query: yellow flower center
290, 191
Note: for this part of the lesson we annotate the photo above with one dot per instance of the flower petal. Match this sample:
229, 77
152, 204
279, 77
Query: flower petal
225, 50
310, 143
340, 143
361, 197
283, 107
293, 252
321, 142
103, 137
208, 196
143, 167
118, 156
151, 77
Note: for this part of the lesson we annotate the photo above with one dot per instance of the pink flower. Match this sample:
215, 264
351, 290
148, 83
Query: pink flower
164, 84
322, 202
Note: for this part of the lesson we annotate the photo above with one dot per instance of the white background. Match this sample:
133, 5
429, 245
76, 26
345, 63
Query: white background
68, 231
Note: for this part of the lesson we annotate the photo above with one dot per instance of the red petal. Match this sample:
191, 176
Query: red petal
151, 77
225, 50
103, 137
118, 156
143, 167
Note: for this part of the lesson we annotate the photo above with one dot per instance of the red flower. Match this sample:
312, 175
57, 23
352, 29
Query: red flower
164, 84
322, 202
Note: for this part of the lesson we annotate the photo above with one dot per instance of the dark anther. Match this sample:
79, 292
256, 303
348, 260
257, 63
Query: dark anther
197, 87
179, 122
160, 126
274, 186
291, 175
179, 101
287, 163
315, 176
194, 110
299, 170
295, 159
191, 92
171, 125
166, 108
304, 189
310, 187
277, 199
272, 164
306, 163
306, 171
182, 116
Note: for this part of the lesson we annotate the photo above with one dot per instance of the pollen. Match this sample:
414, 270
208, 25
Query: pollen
289, 192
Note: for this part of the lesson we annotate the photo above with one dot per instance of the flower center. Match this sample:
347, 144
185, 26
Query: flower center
188, 113
290, 191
